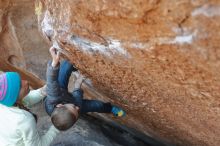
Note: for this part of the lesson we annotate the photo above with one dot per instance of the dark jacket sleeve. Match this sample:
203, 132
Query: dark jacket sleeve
53, 88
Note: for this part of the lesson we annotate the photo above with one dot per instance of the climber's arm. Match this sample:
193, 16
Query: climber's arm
53, 88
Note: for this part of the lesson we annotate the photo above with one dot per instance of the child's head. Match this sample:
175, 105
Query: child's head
64, 116
12, 88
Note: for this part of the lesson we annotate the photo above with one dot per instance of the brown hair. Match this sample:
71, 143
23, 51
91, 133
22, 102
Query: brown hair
62, 118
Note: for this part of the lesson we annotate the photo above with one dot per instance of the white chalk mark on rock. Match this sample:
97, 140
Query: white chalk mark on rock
114, 47
47, 25
185, 39
207, 10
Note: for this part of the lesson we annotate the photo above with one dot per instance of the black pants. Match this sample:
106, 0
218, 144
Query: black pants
85, 105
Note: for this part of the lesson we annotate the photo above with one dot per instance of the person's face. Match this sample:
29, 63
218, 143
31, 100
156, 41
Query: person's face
24, 89
72, 108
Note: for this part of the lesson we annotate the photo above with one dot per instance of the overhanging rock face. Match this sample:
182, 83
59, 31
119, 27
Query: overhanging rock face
159, 60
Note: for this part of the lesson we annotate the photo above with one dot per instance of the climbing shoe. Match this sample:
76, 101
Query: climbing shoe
117, 111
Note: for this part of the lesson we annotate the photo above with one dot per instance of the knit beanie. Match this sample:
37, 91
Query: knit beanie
10, 85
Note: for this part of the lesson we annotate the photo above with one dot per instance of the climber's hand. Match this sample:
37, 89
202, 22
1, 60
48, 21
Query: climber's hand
55, 56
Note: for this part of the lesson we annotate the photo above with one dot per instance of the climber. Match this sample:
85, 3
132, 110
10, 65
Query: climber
64, 107
17, 124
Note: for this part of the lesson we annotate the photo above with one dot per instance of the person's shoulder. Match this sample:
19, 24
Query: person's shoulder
26, 113
18, 115
24, 116
27, 119
14, 111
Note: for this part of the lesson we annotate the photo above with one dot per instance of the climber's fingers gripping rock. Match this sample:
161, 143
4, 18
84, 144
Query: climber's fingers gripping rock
55, 54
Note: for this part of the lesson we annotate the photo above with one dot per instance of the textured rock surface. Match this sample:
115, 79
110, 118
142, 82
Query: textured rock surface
23, 48
157, 59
